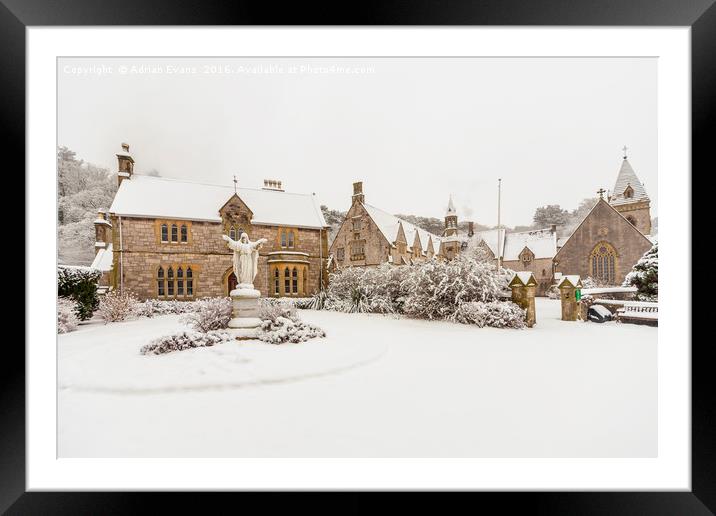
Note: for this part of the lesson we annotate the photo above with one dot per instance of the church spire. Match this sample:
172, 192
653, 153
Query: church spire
629, 197
450, 219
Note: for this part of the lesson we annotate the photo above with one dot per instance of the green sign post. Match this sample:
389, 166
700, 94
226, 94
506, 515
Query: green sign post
578, 294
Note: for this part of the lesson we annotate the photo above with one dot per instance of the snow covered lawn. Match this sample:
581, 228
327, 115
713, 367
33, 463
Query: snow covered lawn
377, 386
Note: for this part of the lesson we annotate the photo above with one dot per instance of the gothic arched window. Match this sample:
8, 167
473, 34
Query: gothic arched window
603, 263
170, 281
295, 281
283, 238
276, 282
232, 233
184, 233
189, 282
286, 281
160, 282
165, 233
180, 282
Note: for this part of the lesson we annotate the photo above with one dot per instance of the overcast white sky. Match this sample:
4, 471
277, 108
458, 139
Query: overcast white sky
413, 130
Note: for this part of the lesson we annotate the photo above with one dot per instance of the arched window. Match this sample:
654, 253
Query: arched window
290, 239
184, 233
180, 282
295, 281
629, 192
232, 233
286, 281
170, 281
175, 234
165, 233
283, 238
189, 282
160, 282
603, 263
276, 282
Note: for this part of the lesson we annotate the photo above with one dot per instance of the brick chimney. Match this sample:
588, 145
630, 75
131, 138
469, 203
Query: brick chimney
553, 228
358, 192
470, 228
126, 164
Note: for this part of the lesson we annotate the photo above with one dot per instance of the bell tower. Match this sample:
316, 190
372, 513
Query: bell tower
629, 197
450, 220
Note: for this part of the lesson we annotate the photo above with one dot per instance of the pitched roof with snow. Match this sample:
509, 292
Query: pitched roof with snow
490, 237
389, 224
159, 197
103, 259
626, 178
542, 242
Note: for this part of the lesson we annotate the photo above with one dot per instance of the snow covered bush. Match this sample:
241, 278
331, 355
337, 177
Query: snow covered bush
67, 319
211, 313
79, 284
117, 306
379, 289
553, 292
437, 288
152, 307
283, 330
645, 276
590, 282
273, 309
184, 340
494, 314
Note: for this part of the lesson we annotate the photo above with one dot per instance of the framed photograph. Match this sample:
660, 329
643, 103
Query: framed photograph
418, 253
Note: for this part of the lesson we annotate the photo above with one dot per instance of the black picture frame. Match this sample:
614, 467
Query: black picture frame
700, 15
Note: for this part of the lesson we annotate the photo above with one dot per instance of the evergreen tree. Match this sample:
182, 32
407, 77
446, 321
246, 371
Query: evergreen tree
645, 276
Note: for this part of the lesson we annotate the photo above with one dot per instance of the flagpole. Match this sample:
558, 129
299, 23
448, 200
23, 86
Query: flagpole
499, 226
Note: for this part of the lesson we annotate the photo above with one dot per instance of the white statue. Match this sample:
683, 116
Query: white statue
246, 258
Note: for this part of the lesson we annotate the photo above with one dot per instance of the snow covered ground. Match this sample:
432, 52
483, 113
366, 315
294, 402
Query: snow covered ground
375, 387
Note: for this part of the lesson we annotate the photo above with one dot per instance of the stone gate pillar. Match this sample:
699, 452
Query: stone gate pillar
568, 288
524, 287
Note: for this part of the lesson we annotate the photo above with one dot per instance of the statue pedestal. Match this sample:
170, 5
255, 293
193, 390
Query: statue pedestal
245, 312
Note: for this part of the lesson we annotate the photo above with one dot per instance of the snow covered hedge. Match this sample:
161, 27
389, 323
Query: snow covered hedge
79, 284
67, 319
645, 276
430, 290
152, 307
184, 340
495, 314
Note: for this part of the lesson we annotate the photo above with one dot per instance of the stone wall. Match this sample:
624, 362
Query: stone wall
207, 255
603, 224
639, 212
375, 245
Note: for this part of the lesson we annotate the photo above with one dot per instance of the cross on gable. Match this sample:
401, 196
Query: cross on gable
601, 192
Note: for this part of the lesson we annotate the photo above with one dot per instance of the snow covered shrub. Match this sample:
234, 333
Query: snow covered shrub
211, 313
152, 307
79, 284
645, 276
274, 309
184, 340
379, 289
436, 288
283, 330
117, 306
495, 314
318, 301
67, 319
589, 282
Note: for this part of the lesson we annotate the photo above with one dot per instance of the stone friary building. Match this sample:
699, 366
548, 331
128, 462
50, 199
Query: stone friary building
605, 246
162, 238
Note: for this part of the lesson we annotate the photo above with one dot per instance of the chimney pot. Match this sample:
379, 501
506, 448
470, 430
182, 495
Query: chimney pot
358, 192
553, 228
125, 147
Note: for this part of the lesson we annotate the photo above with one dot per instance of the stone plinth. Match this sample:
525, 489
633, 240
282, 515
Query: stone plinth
245, 312
524, 287
568, 288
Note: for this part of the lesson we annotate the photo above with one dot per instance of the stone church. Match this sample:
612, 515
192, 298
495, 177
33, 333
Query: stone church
613, 236
162, 238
